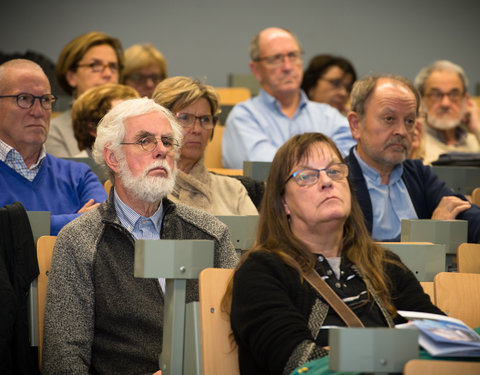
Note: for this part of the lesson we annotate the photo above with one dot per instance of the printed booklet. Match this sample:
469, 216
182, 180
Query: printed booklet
443, 336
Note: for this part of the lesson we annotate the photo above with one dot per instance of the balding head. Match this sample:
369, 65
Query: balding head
8, 67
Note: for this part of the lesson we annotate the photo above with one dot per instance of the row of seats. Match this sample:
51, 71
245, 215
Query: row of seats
455, 293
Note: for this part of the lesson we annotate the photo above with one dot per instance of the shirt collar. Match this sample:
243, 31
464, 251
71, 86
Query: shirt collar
271, 100
460, 134
129, 217
373, 175
7, 151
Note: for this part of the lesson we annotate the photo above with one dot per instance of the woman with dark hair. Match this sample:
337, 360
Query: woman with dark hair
311, 224
329, 79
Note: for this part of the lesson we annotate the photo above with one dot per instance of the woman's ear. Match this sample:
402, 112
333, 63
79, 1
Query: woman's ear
285, 206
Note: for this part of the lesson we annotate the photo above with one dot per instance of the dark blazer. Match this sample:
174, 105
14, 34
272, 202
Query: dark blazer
425, 189
18, 268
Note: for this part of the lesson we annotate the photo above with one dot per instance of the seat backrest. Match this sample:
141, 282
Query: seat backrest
429, 289
108, 186
219, 354
213, 151
434, 367
468, 258
44, 255
476, 196
232, 95
457, 295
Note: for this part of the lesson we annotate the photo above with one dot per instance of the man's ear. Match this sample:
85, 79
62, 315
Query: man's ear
254, 69
354, 122
111, 160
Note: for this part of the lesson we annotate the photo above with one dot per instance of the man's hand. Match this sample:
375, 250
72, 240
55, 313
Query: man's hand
472, 116
88, 206
449, 207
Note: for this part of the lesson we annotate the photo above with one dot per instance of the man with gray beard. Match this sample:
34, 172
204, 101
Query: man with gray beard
98, 317
450, 118
389, 186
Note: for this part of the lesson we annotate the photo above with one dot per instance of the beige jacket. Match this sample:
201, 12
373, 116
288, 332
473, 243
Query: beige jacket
215, 194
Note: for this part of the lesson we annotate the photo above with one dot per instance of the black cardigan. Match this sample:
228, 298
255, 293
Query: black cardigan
271, 312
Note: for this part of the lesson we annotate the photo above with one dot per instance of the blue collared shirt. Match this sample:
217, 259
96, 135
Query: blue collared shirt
390, 203
257, 128
141, 228
14, 160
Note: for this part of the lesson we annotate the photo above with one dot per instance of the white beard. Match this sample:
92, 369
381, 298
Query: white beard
445, 123
148, 188
442, 123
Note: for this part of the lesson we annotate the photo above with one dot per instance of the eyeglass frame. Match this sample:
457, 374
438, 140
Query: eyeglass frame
141, 79
344, 165
192, 124
293, 57
337, 83
437, 95
175, 145
114, 67
34, 97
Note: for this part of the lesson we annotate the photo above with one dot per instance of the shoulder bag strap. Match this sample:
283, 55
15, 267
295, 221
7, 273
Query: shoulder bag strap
345, 313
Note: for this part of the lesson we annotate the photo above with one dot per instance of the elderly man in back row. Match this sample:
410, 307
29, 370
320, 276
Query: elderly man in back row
451, 119
98, 317
28, 174
256, 128
389, 186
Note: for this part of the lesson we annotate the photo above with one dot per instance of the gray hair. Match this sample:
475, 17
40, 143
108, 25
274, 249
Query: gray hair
440, 65
363, 88
111, 129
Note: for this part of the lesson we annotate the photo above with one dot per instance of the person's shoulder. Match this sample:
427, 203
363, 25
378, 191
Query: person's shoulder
66, 164
62, 119
226, 182
198, 219
82, 229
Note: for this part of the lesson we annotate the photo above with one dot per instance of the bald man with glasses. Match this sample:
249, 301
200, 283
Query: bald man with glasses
28, 174
256, 128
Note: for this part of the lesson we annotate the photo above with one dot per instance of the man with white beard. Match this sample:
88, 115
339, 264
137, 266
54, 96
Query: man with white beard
98, 317
451, 119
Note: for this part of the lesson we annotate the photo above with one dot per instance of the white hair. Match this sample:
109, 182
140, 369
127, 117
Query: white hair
111, 128
440, 65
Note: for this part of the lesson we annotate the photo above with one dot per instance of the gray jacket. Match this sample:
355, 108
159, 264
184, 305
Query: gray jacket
98, 317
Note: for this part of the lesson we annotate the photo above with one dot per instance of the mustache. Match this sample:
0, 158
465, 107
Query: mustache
398, 139
158, 164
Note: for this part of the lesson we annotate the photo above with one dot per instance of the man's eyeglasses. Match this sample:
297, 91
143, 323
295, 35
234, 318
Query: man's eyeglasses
437, 96
338, 84
150, 143
277, 60
141, 79
26, 101
309, 176
187, 120
99, 67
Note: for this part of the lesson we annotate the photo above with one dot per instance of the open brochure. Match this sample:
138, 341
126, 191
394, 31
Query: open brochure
443, 336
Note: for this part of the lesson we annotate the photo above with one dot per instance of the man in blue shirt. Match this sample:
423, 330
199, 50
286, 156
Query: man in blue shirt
389, 186
256, 128
28, 174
